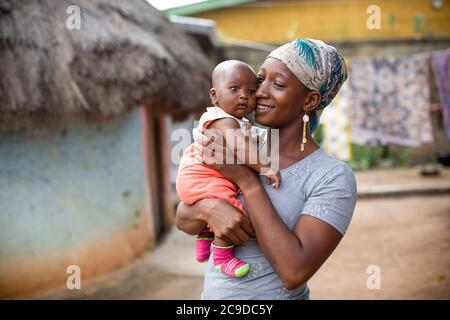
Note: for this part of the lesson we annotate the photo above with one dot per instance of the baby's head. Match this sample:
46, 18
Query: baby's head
233, 88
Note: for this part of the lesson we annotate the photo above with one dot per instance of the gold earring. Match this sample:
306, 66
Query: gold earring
305, 124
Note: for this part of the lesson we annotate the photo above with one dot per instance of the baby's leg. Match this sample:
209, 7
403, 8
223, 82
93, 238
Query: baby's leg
203, 245
206, 235
222, 243
225, 261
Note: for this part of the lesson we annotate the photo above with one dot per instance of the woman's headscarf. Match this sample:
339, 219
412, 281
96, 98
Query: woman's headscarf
317, 65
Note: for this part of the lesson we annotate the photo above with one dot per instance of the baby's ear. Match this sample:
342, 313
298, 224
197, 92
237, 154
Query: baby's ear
212, 96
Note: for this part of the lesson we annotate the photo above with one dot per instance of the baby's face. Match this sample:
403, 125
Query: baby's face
235, 92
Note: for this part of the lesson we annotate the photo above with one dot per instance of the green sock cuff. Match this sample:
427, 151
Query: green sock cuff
205, 238
222, 247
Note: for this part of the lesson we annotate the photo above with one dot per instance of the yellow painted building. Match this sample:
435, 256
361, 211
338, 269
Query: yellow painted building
329, 20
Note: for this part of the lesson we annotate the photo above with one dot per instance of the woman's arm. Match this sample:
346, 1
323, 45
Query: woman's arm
190, 219
226, 221
295, 255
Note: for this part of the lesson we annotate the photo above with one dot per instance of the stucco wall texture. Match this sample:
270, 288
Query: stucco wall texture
75, 195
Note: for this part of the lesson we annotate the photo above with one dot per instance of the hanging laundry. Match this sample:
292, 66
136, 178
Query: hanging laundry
441, 71
390, 100
336, 125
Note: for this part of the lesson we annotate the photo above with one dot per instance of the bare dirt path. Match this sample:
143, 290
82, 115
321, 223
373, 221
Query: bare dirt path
407, 238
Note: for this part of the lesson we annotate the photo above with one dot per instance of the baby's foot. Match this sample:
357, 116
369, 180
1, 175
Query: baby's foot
226, 262
203, 249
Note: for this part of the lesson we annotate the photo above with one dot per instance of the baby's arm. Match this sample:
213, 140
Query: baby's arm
245, 149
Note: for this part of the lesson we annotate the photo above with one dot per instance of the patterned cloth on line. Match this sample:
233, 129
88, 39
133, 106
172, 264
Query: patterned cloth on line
390, 100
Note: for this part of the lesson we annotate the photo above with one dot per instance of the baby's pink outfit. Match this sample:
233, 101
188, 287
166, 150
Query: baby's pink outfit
195, 181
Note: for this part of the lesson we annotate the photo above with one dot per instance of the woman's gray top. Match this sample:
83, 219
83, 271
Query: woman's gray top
319, 186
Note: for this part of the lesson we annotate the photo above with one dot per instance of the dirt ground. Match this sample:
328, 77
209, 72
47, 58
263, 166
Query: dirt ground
408, 238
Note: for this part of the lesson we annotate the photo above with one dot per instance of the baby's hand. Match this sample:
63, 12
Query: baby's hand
274, 179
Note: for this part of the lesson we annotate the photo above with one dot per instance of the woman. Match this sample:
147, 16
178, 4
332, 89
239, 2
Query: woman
300, 224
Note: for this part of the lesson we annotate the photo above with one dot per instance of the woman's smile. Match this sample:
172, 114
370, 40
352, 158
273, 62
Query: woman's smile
263, 108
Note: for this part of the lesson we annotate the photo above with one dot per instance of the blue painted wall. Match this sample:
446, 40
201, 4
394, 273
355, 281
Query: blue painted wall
62, 188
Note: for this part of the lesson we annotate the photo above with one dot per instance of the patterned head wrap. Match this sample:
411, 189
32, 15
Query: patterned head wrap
317, 65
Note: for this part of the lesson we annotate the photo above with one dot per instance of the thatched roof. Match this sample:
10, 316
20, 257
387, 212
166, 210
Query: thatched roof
126, 53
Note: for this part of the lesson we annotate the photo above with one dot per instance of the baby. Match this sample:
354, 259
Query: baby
233, 96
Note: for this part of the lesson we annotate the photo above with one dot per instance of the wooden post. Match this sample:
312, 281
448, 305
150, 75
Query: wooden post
152, 203
165, 161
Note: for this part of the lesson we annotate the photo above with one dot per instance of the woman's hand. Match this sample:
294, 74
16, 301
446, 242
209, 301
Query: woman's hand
226, 221
211, 152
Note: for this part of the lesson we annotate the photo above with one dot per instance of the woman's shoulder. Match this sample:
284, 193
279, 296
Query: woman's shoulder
331, 195
326, 169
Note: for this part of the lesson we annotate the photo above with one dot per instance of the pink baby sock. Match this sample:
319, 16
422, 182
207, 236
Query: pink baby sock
203, 249
226, 262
